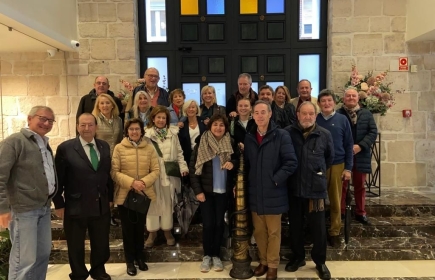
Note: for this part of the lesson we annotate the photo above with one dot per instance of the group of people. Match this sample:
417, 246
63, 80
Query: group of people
297, 153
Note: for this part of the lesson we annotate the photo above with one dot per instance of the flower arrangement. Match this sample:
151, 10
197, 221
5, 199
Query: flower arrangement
374, 95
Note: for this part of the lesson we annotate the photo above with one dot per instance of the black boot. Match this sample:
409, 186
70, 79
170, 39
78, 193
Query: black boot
142, 265
131, 269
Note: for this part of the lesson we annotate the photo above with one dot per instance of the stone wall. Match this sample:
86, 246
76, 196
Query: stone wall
109, 44
370, 33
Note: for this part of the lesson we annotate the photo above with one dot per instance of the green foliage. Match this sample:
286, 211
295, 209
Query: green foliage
5, 248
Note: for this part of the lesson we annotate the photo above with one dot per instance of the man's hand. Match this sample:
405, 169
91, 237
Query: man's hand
60, 212
356, 149
345, 176
206, 121
5, 219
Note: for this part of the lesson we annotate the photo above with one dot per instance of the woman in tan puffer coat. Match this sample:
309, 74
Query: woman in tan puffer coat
135, 166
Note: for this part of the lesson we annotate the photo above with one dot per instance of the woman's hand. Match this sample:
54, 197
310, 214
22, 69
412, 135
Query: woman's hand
180, 124
227, 165
138, 185
200, 197
206, 121
185, 173
233, 114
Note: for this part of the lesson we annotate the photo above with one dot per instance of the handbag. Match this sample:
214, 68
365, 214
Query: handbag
172, 167
137, 202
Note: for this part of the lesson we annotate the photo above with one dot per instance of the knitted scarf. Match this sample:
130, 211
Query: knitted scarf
352, 113
209, 147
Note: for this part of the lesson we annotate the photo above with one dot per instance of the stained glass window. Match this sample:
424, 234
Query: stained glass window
189, 7
274, 6
248, 7
216, 7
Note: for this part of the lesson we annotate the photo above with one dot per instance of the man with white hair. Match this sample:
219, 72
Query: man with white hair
364, 132
27, 185
307, 188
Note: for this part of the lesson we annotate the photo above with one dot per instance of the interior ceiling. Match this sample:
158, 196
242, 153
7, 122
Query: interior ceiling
14, 41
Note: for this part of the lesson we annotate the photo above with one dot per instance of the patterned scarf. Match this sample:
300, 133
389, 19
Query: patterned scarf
352, 113
209, 147
134, 143
161, 133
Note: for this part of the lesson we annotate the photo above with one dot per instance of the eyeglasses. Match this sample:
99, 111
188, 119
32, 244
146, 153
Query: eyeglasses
101, 83
134, 129
153, 76
44, 119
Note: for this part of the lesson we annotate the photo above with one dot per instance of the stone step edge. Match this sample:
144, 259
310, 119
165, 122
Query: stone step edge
399, 243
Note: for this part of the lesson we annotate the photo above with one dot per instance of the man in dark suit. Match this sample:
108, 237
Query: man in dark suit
83, 170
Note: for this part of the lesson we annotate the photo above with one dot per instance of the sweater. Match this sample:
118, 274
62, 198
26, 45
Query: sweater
339, 127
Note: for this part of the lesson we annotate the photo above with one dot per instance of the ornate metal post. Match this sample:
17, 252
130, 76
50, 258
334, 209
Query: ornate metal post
240, 243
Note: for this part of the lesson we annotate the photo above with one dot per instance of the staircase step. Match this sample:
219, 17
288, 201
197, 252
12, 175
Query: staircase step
359, 248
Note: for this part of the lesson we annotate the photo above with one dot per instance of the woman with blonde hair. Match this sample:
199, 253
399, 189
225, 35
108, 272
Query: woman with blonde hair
164, 137
141, 107
109, 124
192, 127
209, 107
135, 166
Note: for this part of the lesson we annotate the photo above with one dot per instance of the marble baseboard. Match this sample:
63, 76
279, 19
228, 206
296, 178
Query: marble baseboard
359, 248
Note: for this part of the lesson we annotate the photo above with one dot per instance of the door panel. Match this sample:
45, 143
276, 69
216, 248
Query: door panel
213, 41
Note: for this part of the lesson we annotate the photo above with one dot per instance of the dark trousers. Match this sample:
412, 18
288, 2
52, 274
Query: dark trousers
133, 229
316, 223
213, 212
75, 232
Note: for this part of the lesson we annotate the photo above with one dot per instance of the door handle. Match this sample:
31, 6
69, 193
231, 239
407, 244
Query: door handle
185, 49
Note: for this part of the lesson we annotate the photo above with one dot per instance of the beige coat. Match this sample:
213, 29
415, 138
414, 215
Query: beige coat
111, 133
171, 150
295, 102
130, 163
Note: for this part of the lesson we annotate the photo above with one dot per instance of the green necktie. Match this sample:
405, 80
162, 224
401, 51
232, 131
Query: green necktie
94, 156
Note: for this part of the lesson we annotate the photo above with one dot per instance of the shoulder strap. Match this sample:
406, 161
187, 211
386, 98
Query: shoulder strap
157, 148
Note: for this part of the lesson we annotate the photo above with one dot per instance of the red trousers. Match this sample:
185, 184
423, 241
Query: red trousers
358, 181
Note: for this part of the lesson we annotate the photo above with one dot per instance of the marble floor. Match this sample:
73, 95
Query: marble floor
421, 269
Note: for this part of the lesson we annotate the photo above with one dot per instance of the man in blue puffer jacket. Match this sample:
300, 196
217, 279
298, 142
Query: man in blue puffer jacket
270, 159
307, 188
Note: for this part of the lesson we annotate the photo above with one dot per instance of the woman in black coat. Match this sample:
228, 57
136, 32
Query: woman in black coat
212, 178
193, 127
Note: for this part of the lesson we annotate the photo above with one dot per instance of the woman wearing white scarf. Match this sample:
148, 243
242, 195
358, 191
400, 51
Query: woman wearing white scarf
163, 135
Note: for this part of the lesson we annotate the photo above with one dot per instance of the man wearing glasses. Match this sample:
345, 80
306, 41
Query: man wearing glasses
87, 102
27, 184
158, 95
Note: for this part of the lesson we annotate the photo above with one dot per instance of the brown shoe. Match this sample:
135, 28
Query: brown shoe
260, 270
272, 273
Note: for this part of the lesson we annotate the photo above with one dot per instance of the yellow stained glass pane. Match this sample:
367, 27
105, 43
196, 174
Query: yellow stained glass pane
248, 7
189, 7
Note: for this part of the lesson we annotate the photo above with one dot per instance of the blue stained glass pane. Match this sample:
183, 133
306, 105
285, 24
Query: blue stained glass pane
274, 6
215, 7
161, 64
309, 69
220, 93
254, 86
192, 91
274, 85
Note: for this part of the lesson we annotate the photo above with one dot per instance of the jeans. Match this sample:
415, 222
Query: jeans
30, 234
